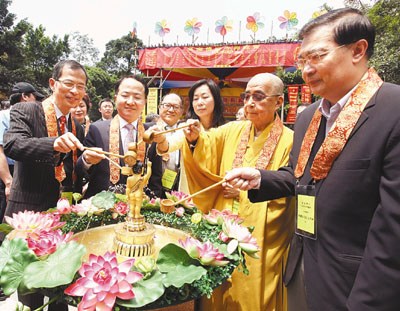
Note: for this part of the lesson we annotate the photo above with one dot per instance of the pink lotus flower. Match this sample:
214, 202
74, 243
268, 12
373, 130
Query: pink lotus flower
206, 253
63, 206
178, 195
119, 209
45, 242
216, 217
179, 211
29, 221
102, 281
238, 235
86, 207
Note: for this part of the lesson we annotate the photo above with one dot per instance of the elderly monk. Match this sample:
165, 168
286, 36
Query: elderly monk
262, 142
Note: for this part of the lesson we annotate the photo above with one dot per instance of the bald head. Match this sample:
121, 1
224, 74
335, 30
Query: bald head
268, 81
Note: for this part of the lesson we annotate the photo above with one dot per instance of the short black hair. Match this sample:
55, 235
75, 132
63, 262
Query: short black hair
135, 77
73, 64
350, 25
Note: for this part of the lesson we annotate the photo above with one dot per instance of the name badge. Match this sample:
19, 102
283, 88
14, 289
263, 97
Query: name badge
306, 212
168, 179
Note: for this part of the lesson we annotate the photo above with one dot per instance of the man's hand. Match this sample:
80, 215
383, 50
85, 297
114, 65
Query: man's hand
154, 130
193, 131
93, 157
66, 143
230, 192
243, 178
8, 188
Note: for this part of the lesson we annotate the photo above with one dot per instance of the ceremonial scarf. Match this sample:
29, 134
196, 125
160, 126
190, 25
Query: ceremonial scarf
268, 148
114, 147
341, 129
52, 131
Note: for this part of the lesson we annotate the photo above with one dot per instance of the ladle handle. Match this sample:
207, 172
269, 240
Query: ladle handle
201, 191
104, 152
172, 130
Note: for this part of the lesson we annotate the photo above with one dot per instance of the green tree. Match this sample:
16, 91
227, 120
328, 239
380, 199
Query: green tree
42, 53
120, 56
100, 85
385, 15
83, 49
11, 48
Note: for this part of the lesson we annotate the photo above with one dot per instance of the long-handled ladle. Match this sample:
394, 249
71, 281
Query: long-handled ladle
168, 204
148, 137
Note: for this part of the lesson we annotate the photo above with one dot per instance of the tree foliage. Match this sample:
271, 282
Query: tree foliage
100, 85
26, 53
120, 56
83, 49
385, 15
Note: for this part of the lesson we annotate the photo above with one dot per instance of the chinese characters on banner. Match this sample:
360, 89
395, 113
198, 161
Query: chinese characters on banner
293, 92
305, 94
152, 101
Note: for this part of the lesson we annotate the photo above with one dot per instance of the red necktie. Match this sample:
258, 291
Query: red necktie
59, 170
61, 122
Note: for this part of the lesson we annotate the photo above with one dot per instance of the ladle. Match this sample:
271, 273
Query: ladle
149, 137
104, 152
167, 205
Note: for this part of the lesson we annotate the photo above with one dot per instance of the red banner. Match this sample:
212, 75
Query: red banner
305, 94
224, 56
293, 93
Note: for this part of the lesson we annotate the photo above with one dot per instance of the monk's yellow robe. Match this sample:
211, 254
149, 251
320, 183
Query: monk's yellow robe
263, 288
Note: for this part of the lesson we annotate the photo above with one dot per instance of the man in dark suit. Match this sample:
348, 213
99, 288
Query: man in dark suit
44, 141
345, 172
114, 135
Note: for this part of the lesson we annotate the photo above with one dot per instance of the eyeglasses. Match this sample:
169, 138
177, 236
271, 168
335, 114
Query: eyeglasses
169, 106
256, 97
314, 58
70, 85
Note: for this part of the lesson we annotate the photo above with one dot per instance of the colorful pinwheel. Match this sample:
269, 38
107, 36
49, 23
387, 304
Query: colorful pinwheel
223, 26
288, 20
162, 28
134, 30
254, 22
192, 27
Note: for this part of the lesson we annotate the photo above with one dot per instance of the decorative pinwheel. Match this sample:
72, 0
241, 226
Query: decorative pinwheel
288, 20
223, 26
162, 29
134, 30
254, 23
192, 27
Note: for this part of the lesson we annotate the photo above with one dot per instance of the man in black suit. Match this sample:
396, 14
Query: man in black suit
114, 135
44, 141
344, 170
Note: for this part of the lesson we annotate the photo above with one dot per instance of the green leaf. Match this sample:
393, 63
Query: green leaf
178, 266
54, 271
104, 199
15, 256
146, 291
5, 228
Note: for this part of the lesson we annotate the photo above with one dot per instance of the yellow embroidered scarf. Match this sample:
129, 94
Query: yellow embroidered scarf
114, 147
339, 134
52, 131
268, 149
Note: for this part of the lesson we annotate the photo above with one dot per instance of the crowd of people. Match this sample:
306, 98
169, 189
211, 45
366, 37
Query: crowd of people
323, 198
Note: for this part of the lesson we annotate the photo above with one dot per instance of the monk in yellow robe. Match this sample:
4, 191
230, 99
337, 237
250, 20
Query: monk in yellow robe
263, 142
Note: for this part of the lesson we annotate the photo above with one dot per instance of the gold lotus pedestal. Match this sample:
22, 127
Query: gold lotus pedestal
134, 238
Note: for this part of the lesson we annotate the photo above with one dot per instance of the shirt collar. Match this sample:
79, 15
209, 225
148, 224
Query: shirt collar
123, 122
59, 113
325, 106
